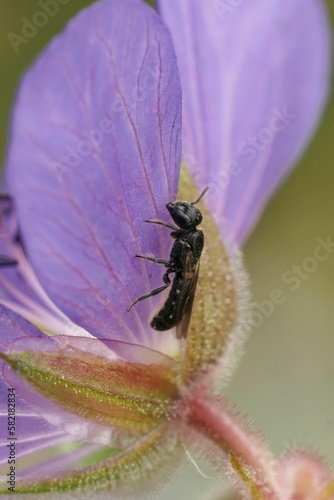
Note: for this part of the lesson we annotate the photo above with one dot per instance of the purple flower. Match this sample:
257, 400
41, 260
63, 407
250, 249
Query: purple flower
95, 150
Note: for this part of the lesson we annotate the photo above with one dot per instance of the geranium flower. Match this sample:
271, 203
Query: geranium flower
95, 150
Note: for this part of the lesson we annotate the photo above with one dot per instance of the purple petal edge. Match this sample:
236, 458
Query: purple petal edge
255, 77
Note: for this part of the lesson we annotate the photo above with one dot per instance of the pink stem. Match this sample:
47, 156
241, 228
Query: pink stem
214, 419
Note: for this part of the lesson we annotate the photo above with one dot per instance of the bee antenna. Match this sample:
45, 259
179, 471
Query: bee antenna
200, 196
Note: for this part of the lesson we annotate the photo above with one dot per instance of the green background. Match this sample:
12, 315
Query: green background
285, 380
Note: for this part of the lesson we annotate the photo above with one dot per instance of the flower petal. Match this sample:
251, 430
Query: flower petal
16, 293
63, 461
254, 79
13, 327
95, 151
33, 433
137, 464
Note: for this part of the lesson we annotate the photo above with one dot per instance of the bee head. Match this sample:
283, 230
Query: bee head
184, 214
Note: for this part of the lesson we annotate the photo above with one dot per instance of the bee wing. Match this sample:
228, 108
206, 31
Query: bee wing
191, 268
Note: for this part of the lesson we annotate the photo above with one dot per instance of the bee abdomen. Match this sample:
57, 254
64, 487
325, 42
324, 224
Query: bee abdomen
168, 316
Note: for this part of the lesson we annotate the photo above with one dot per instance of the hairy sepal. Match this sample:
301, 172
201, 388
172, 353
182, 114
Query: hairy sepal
109, 390
138, 466
215, 309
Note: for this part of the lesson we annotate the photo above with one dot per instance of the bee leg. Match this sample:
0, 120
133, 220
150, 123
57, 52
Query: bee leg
153, 292
152, 259
161, 223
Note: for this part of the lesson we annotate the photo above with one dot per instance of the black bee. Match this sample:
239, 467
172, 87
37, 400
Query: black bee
183, 262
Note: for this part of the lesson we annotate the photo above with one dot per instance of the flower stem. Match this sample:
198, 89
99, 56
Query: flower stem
249, 456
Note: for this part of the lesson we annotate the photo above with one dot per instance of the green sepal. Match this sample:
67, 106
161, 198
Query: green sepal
142, 461
215, 307
134, 397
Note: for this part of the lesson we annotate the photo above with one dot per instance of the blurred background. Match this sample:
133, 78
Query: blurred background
285, 381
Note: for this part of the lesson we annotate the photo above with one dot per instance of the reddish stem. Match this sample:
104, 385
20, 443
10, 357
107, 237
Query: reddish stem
214, 419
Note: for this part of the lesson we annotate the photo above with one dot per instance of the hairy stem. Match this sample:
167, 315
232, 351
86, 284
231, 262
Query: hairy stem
249, 456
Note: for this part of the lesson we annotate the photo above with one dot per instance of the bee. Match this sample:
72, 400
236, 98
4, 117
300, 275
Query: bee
183, 262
